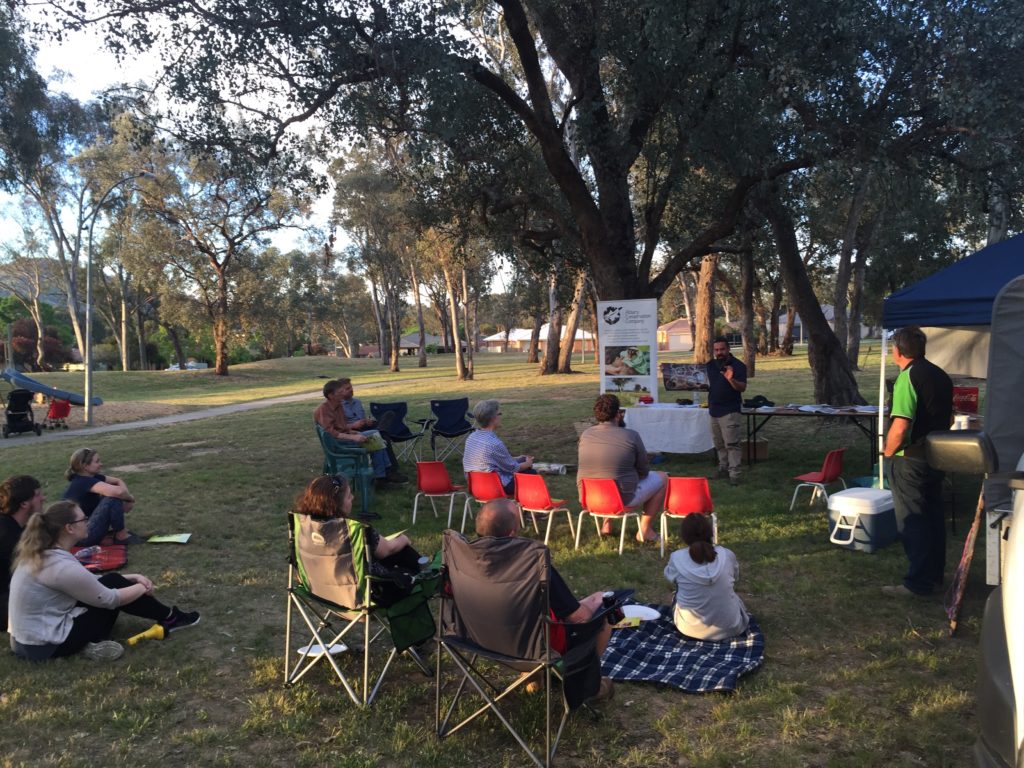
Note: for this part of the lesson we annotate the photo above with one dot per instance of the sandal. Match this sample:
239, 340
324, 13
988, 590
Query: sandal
654, 540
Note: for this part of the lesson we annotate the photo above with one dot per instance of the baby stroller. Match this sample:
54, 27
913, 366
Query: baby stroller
19, 413
57, 416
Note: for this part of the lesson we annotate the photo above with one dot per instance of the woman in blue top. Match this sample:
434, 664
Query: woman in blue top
484, 451
104, 499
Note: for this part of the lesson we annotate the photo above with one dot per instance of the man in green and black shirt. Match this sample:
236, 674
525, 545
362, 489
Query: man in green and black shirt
922, 402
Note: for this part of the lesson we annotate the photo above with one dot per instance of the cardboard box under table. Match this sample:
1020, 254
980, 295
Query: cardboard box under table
861, 519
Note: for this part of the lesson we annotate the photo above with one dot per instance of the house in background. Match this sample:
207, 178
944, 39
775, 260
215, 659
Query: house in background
519, 340
830, 315
675, 336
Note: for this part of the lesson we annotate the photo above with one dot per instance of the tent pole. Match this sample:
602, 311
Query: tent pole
881, 415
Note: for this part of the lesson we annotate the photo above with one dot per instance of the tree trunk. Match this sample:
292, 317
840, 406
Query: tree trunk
843, 270
179, 350
784, 345
469, 325
747, 306
37, 320
394, 332
762, 327
220, 326
704, 327
421, 358
834, 383
140, 333
550, 363
571, 324
379, 319
998, 214
453, 308
685, 279
533, 354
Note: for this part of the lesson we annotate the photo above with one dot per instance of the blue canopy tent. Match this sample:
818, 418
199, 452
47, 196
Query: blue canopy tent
973, 315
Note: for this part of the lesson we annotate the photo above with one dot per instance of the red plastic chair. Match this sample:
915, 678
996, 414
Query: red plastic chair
686, 496
600, 498
533, 496
830, 472
433, 482
483, 487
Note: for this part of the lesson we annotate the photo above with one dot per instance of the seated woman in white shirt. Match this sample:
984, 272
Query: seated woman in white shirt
706, 605
58, 608
485, 452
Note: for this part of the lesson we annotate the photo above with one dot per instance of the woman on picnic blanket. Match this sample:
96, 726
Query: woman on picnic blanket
327, 502
105, 499
58, 608
706, 605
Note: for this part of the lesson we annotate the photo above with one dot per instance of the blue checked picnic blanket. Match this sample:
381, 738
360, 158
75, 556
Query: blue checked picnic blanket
656, 652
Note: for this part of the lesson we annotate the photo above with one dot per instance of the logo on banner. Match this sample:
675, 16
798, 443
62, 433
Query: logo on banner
612, 315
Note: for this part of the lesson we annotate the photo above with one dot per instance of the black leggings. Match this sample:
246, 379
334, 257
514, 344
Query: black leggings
96, 623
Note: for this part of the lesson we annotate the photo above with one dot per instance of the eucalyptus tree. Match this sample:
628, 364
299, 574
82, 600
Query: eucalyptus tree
222, 207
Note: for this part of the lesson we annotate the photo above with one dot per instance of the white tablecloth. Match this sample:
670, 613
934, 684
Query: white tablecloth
671, 428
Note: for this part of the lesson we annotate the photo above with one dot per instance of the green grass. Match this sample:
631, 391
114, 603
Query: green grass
850, 678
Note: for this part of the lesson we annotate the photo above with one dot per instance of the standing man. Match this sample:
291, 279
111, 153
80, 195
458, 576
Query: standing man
357, 419
331, 416
922, 402
727, 380
21, 496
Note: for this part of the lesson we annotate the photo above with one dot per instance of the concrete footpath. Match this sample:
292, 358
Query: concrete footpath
178, 418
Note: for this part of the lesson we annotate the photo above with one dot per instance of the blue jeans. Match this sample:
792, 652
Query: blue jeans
108, 516
381, 462
917, 496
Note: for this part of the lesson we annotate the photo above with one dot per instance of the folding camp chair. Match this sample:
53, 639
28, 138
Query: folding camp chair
483, 487
600, 498
686, 496
831, 469
333, 556
495, 628
450, 426
433, 482
348, 459
533, 497
390, 419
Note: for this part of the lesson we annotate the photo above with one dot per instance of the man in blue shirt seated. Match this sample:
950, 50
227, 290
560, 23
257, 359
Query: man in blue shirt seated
360, 422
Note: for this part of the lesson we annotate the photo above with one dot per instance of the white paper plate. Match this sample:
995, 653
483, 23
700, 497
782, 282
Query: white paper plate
641, 612
316, 650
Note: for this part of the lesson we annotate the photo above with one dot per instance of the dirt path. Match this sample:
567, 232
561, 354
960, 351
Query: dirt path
141, 415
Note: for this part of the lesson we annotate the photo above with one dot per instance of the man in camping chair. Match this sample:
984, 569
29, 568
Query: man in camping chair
500, 518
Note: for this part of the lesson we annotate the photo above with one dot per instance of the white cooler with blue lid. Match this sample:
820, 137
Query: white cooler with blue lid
861, 519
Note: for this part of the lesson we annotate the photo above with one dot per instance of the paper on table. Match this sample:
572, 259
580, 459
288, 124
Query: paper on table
170, 538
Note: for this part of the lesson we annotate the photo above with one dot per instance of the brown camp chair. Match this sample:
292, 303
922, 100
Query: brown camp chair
495, 627
329, 589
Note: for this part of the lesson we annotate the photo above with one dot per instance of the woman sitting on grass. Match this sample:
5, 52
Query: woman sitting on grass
324, 541
104, 499
706, 605
57, 608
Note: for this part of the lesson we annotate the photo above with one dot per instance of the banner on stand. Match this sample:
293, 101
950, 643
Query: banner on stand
628, 335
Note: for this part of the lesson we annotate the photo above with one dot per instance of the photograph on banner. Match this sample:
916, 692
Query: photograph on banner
628, 335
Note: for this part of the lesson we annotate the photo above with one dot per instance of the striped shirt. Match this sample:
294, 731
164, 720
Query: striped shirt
484, 452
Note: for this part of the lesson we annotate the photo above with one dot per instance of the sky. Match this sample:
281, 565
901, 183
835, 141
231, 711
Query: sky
81, 67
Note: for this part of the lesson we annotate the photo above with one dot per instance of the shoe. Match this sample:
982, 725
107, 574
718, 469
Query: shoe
104, 650
722, 473
606, 691
655, 540
395, 476
734, 481
900, 591
179, 620
131, 538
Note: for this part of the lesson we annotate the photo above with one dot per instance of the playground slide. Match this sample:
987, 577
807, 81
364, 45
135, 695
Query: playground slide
22, 381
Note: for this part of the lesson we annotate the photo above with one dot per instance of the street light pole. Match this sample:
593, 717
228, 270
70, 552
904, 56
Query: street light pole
88, 289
